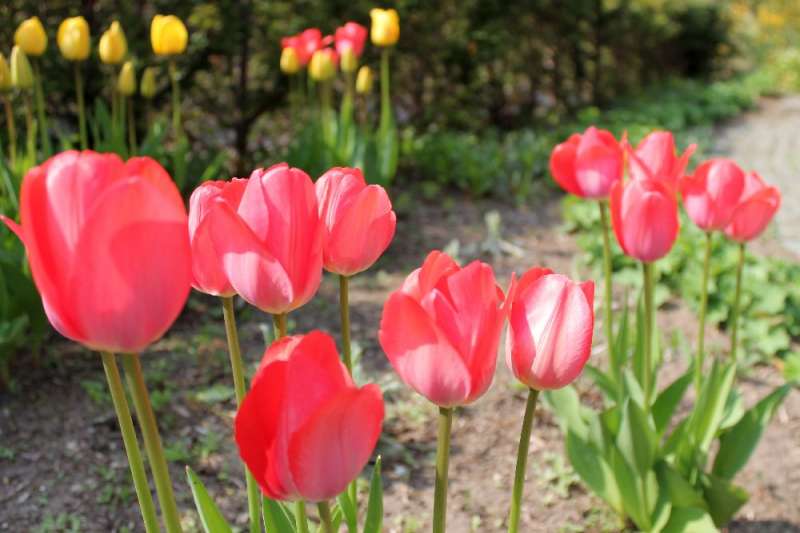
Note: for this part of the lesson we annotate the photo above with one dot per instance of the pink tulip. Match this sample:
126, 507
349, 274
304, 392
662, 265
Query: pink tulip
207, 272
551, 321
711, 194
441, 329
358, 218
655, 158
755, 209
644, 214
304, 429
587, 165
108, 247
271, 244
352, 35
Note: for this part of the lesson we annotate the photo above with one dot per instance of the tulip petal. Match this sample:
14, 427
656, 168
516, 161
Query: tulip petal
562, 165
420, 282
752, 216
208, 274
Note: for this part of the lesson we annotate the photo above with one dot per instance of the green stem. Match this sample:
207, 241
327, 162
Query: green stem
648, 334
237, 369
325, 517
114, 104
522, 459
176, 100
131, 443
701, 332
736, 303
386, 103
12, 131
613, 360
132, 127
30, 128
300, 518
152, 441
347, 354
279, 321
41, 116
325, 115
442, 465
81, 108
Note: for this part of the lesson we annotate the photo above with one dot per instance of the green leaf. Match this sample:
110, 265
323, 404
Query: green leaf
708, 411
689, 519
374, 521
210, 516
594, 470
737, 444
724, 499
633, 388
567, 405
349, 511
734, 411
668, 400
680, 492
637, 440
630, 489
277, 518
603, 381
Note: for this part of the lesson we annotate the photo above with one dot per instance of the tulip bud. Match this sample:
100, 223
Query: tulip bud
385, 30
323, 65
5, 75
21, 73
148, 83
31, 37
364, 80
113, 45
587, 164
168, 35
290, 62
126, 83
73, 38
349, 61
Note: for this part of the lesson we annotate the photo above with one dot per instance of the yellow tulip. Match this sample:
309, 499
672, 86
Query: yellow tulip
113, 45
21, 73
290, 63
148, 83
385, 30
168, 35
126, 83
31, 37
322, 66
5, 75
364, 80
73, 38
349, 60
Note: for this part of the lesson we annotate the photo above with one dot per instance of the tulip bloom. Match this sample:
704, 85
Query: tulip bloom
290, 62
349, 41
168, 35
358, 218
31, 37
108, 247
5, 75
754, 210
385, 29
587, 165
644, 214
323, 64
73, 38
147, 87
441, 330
271, 244
126, 82
655, 158
305, 430
551, 321
364, 80
711, 194
113, 45
306, 43
21, 72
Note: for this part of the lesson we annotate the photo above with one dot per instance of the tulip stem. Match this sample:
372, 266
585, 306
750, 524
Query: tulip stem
131, 127
386, 104
522, 459
81, 108
237, 369
300, 518
325, 113
152, 441
701, 332
30, 128
616, 367
41, 116
12, 131
442, 465
176, 100
325, 517
347, 354
736, 303
279, 321
648, 334
131, 443
115, 120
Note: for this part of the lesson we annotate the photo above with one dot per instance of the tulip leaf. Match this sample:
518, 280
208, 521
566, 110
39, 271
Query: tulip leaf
737, 444
734, 411
630, 489
566, 403
277, 518
210, 515
668, 400
680, 492
603, 381
724, 499
707, 414
374, 521
349, 511
684, 519
593, 469
637, 439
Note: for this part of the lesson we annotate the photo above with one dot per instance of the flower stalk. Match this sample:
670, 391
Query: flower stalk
649, 319
12, 131
616, 367
736, 303
701, 331
41, 116
81, 107
522, 459
442, 466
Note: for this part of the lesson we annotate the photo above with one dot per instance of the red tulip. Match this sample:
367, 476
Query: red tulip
306, 43
655, 158
358, 218
755, 209
711, 194
271, 244
352, 35
587, 165
304, 429
551, 321
108, 247
207, 272
441, 329
644, 214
